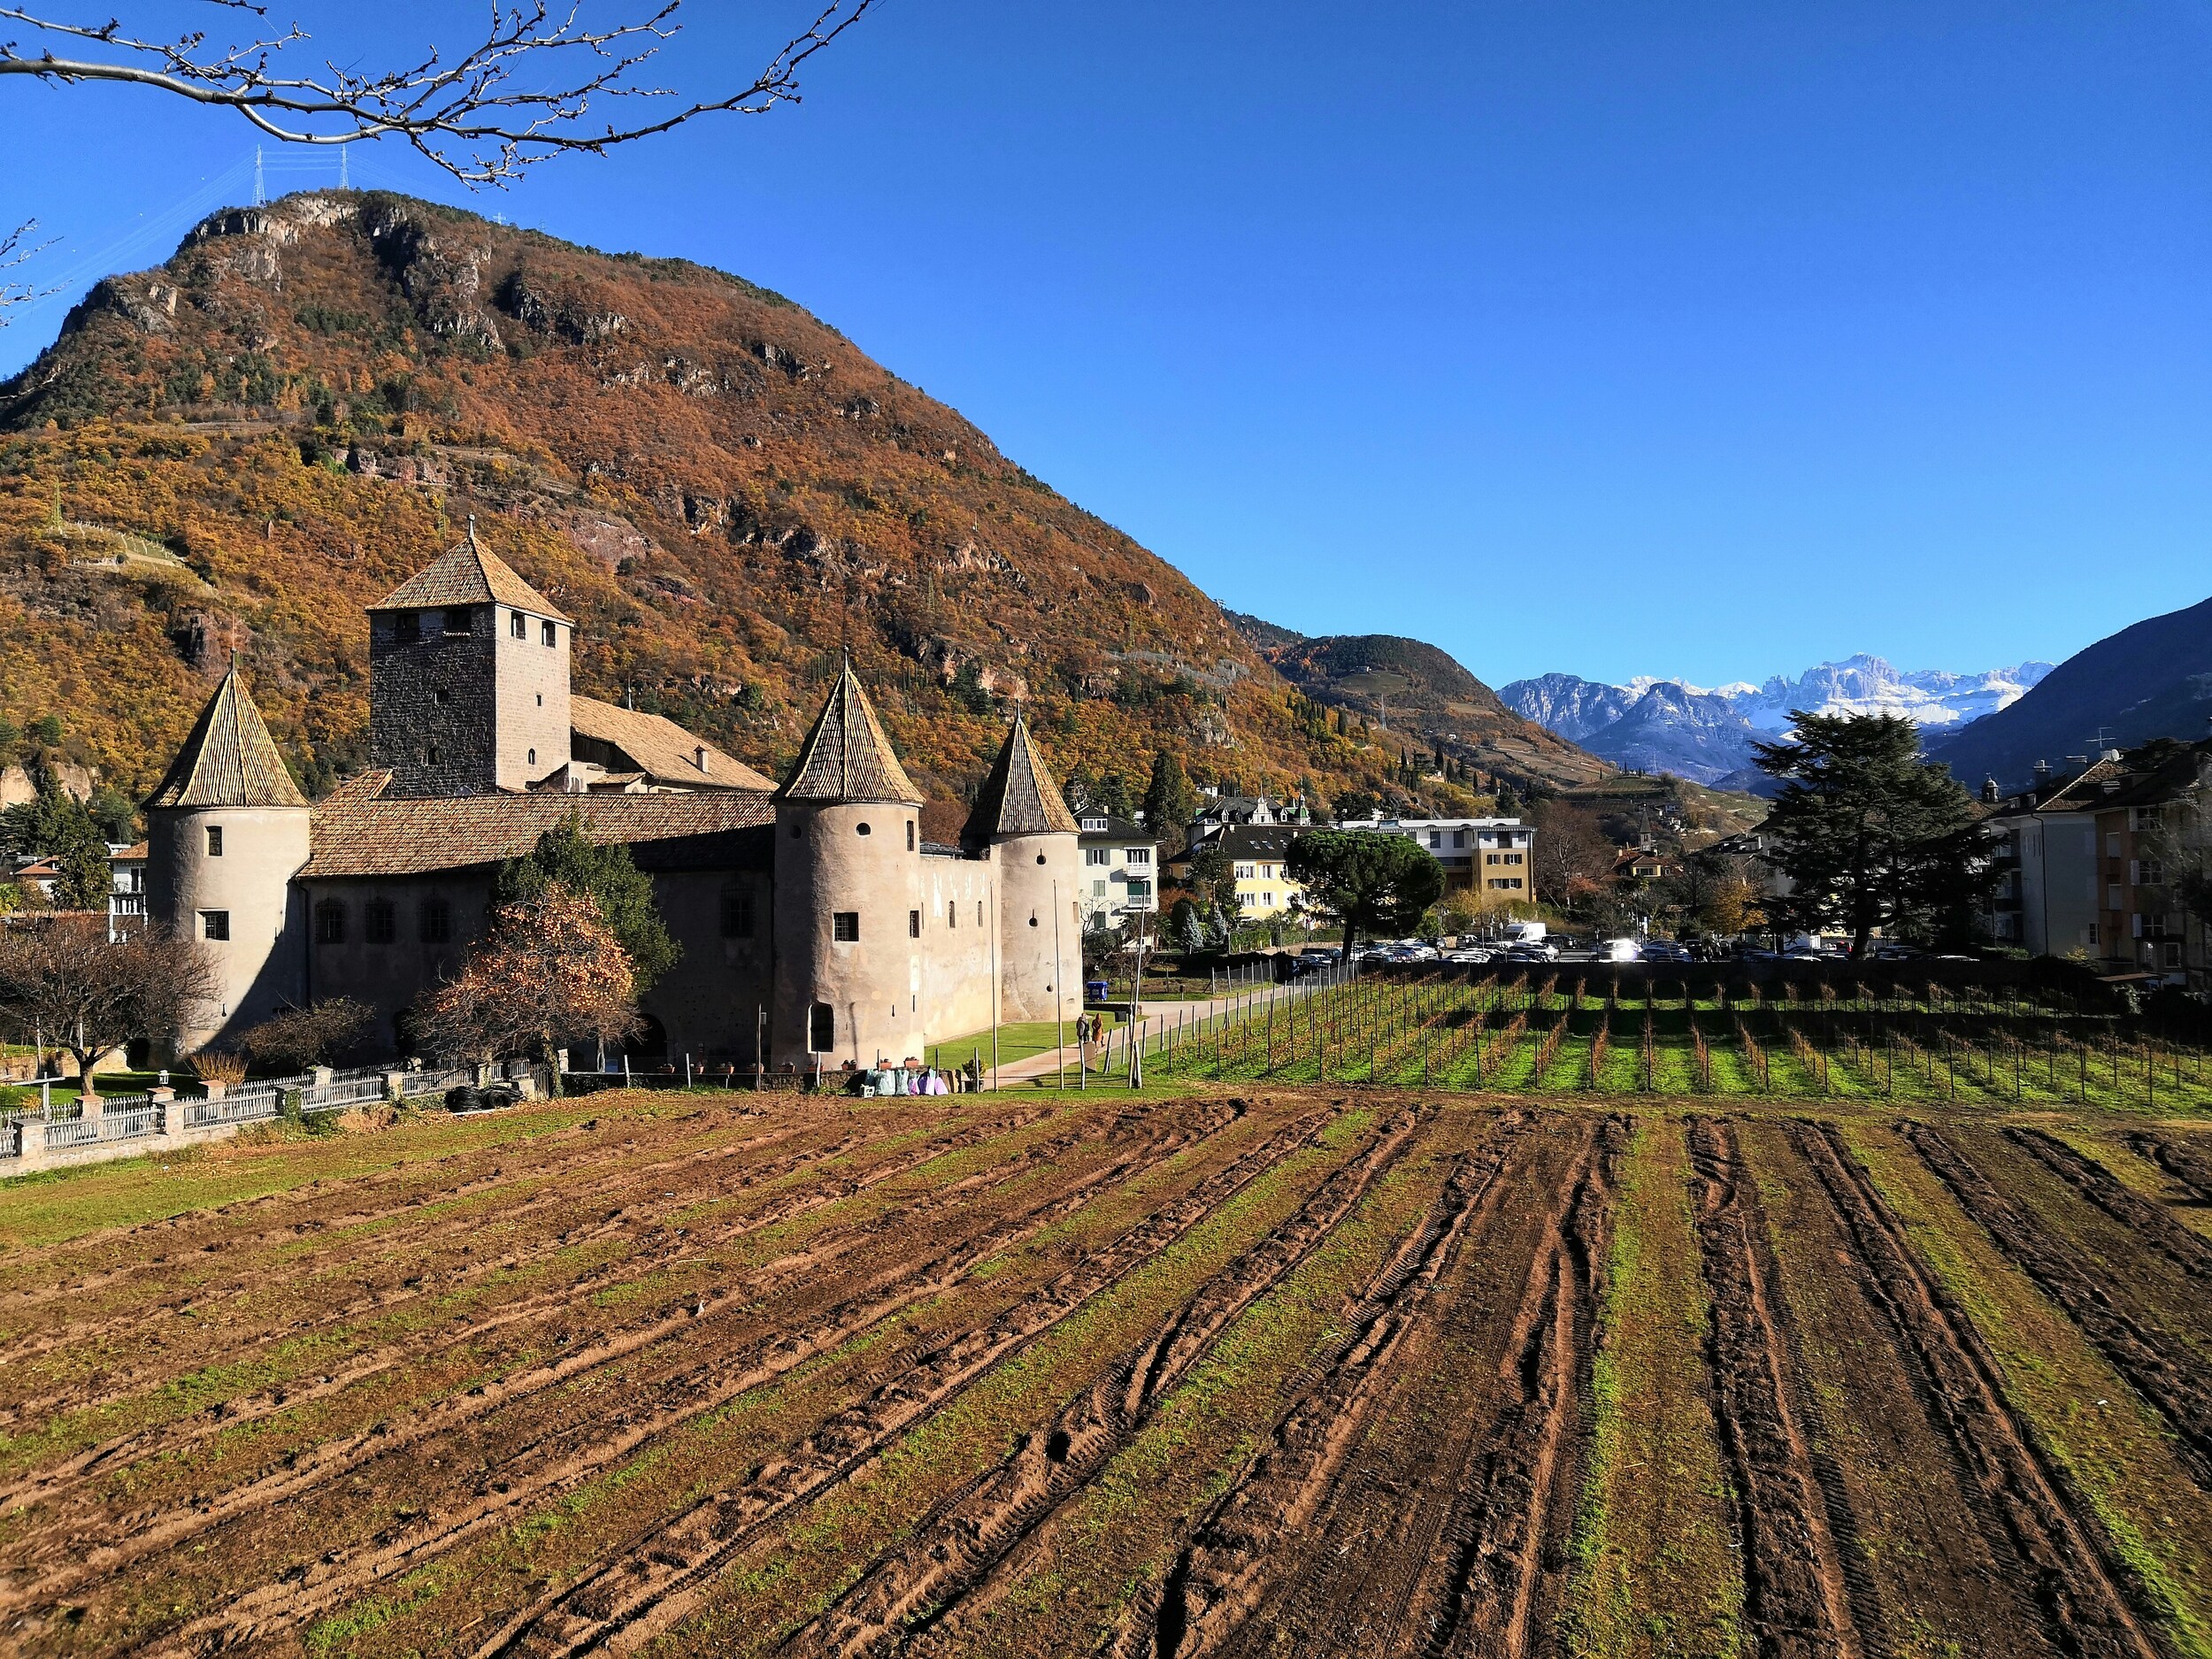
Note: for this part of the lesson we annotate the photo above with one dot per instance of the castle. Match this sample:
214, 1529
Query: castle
816, 926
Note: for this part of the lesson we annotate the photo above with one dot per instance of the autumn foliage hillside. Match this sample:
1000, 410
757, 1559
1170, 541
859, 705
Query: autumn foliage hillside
238, 450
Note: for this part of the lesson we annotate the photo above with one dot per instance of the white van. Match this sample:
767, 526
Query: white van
1524, 933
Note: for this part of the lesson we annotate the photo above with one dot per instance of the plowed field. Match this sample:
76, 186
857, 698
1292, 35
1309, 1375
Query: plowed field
1303, 1373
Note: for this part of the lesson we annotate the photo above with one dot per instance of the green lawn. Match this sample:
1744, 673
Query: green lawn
1017, 1041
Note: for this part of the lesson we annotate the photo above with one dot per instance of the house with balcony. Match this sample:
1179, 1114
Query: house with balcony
1119, 872
1495, 856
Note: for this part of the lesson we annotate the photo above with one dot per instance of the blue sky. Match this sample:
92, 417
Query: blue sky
1706, 340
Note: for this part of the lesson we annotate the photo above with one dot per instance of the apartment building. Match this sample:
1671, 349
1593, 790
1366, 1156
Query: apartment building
1120, 873
1493, 855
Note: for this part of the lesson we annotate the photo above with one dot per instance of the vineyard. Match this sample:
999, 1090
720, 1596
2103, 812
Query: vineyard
1038, 1375
1563, 1032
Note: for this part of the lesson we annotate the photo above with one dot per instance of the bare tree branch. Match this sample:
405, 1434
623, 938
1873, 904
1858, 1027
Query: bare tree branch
16, 249
476, 116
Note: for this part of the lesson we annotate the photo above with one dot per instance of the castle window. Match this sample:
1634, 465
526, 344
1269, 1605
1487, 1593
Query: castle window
549, 634
430, 756
821, 1028
330, 923
737, 914
533, 757
406, 627
979, 912
910, 835
952, 913
519, 626
435, 921
379, 923
863, 829
215, 924
913, 924
215, 840
845, 927
460, 620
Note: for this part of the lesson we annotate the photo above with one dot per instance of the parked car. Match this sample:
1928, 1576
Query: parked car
1616, 950
1533, 950
1665, 950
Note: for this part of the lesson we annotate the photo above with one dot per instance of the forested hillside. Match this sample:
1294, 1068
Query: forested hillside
239, 449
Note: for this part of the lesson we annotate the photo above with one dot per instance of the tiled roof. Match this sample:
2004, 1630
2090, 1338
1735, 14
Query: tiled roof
1019, 797
229, 760
359, 833
468, 575
661, 748
847, 756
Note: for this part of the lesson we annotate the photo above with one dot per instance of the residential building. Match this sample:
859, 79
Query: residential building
1493, 855
2045, 850
126, 887
1258, 857
1120, 869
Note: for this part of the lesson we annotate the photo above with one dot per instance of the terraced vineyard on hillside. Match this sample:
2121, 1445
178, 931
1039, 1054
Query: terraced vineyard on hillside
1305, 1372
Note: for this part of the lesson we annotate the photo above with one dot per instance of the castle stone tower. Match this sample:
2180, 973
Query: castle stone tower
468, 679
849, 895
227, 830
1021, 819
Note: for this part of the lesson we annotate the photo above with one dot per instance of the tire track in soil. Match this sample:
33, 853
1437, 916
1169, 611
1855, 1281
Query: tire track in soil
659, 1578
2179, 1157
652, 1253
932, 1578
1346, 1460
1801, 1580
572, 1453
2191, 1252
2157, 1364
1506, 1578
2026, 1504
565, 1194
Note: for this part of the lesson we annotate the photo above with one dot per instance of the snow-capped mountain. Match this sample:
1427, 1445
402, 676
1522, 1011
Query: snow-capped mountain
1705, 733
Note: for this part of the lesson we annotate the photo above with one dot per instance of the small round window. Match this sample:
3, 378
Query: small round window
863, 829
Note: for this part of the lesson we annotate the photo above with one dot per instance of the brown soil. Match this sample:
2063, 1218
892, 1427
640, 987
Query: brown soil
2157, 1362
2181, 1158
837, 1381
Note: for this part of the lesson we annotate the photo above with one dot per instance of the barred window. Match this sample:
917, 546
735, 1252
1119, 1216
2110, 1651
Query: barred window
913, 924
845, 927
737, 913
436, 920
330, 923
380, 924
215, 924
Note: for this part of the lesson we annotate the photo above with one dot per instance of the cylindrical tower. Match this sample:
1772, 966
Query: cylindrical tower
848, 895
1031, 838
226, 831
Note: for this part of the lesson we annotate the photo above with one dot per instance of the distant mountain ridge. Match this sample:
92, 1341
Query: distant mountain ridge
1707, 734
2153, 679
1412, 687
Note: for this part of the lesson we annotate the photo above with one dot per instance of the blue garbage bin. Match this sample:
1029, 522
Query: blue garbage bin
1094, 990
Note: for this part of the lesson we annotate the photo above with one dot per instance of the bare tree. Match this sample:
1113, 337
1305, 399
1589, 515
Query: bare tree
522, 92
16, 250
60, 976
301, 1037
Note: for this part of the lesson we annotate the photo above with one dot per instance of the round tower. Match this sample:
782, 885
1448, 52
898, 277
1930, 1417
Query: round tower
226, 831
1031, 836
848, 895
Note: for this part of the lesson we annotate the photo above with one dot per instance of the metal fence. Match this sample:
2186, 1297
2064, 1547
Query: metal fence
137, 1117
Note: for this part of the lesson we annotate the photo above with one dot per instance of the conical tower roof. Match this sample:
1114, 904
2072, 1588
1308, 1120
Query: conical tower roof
1019, 797
230, 759
468, 575
847, 756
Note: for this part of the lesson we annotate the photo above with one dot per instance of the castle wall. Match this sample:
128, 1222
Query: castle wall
261, 964
826, 866
531, 709
432, 703
959, 912
392, 976
1041, 972
714, 1000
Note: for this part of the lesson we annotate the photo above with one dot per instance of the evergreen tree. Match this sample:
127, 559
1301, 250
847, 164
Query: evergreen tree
565, 857
58, 826
1869, 834
1170, 800
1113, 797
1371, 885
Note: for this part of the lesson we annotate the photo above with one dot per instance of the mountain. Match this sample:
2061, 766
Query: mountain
1413, 688
237, 451
2151, 680
1707, 734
